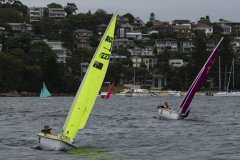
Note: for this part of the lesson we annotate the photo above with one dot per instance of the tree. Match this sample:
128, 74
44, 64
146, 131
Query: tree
70, 8
11, 76
54, 5
130, 17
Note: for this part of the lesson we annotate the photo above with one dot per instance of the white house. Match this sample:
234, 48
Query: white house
149, 62
147, 51
186, 46
136, 61
116, 58
35, 13
236, 45
56, 13
206, 28
166, 45
58, 49
122, 43
20, 27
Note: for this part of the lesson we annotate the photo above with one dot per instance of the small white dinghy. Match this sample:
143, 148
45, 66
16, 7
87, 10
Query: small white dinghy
85, 98
183, 110
53, 142
170, 114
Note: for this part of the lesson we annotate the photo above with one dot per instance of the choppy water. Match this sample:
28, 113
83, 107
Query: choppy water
124, 128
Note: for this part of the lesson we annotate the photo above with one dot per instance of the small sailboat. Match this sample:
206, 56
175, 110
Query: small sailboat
109, 91
44, 92
85, 97
183, 110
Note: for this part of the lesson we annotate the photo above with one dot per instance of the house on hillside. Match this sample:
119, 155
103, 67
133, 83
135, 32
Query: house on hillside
186, 46
166, 45
58, 49
122, 43
56, 13
208, 30
35, 13
20, 27
82, 38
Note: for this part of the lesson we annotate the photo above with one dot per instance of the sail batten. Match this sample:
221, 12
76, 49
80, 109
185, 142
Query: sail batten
91, 84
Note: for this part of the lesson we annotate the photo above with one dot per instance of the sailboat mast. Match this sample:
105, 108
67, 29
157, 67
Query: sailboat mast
225, 78
219, 73
233, 72
229, 78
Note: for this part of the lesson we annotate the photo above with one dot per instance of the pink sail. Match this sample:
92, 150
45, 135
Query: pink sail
109, 91
184, 106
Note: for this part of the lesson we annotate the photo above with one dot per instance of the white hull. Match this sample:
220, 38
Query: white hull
226, 94
170, 114
52, 142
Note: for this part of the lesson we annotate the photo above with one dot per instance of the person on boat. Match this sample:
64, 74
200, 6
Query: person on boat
166, 105
47, 130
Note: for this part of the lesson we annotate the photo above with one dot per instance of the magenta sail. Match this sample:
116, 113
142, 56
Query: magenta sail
183, 108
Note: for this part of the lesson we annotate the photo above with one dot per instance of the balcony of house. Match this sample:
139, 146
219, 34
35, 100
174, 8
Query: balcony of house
122, 43
58, 49
20, 27
56, 12
176, 62
116, 58
186, 46
168, 45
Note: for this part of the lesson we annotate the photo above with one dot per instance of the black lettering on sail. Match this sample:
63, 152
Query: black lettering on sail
109, 39
98, 65
104, 56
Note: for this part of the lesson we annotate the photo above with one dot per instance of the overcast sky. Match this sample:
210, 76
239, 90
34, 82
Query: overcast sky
164, 10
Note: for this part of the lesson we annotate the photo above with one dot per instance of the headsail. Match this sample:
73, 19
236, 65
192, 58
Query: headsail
44, 92
183, 108
91, 84
109, 91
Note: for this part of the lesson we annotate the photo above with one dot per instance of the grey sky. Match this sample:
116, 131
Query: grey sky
165, 10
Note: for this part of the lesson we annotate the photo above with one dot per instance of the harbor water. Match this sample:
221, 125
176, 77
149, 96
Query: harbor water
124, 128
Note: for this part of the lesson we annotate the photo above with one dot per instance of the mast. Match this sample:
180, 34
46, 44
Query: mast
219, 74
225, 78
233, 74
229, 78
183, 108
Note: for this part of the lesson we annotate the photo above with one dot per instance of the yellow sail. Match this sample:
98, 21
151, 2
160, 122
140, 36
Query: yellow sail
91, 84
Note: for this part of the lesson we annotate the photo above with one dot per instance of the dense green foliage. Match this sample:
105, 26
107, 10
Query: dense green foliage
25, 65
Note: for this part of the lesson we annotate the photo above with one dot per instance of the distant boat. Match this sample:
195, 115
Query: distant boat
44, 92
85, 97
109, 91
174, 93
183, 110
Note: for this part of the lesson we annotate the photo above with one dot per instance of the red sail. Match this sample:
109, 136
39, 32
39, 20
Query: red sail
109, 91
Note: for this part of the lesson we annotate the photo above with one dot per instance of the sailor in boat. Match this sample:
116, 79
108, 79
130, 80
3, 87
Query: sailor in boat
165, 106
47, 130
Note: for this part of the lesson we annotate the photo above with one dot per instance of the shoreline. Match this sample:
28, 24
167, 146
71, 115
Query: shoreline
29, 94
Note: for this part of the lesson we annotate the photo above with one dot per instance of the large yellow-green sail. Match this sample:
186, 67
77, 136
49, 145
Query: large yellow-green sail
91, 84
